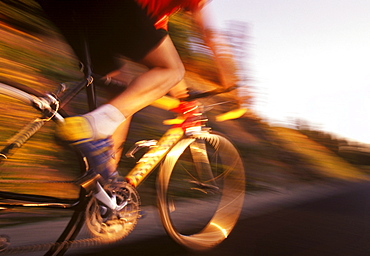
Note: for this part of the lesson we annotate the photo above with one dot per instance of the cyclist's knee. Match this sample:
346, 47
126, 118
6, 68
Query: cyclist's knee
178, 73
171, 75
166, 58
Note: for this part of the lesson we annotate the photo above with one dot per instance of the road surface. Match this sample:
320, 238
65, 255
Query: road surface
320, 220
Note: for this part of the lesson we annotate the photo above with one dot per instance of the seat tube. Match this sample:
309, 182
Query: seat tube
91, 96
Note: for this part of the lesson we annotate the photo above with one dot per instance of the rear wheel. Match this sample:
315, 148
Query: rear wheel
201, 188
28, 150
23, 167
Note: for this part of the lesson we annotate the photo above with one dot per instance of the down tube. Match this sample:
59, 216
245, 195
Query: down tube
152, 158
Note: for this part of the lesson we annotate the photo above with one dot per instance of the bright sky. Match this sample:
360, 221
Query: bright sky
308, 59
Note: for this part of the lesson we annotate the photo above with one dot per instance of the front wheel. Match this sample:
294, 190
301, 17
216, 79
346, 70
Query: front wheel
201, 186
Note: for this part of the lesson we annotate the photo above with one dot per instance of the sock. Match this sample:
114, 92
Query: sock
105, 120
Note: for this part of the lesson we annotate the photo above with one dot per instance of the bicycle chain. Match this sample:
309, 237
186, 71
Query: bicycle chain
36, 181
80, 243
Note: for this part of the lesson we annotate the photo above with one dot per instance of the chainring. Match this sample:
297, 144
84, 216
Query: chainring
112, 225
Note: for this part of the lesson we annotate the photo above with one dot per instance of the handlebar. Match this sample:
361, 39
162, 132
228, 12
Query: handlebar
197, 95
170, 103
112, 83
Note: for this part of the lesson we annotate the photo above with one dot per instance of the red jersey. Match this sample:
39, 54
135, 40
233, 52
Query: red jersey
160, 10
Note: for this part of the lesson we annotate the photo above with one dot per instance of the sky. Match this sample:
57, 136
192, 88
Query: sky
307, 59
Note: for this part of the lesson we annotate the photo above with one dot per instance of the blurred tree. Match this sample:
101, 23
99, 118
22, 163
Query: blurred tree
227, 69
25, 16
237, 35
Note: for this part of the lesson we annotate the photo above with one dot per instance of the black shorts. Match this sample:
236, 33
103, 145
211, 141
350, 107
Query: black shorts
110, 27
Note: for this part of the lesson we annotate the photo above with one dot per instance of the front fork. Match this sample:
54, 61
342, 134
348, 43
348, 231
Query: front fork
202, 164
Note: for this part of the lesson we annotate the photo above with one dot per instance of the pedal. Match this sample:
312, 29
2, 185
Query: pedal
142, 214
88, 181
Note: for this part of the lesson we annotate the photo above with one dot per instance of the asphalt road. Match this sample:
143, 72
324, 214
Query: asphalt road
317, 220
312, 220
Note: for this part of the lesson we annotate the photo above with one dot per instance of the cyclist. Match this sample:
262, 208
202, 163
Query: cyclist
136, 29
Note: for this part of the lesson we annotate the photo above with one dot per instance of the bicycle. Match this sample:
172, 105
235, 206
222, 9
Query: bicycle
194, 163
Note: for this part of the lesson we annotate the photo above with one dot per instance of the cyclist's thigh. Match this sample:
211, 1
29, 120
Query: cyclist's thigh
164, 55
125, 30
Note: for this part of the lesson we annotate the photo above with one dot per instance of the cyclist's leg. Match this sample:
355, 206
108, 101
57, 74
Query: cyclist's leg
119, 137
165, 71
180, 90
157, 52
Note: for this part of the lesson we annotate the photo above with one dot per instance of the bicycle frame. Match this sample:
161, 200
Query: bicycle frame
193, 122
169, 147
50, 106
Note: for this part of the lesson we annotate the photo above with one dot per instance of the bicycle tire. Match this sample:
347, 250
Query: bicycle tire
202, 216
16, 110
25, 94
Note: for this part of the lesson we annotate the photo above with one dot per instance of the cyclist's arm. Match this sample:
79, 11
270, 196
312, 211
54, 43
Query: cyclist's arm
228, 79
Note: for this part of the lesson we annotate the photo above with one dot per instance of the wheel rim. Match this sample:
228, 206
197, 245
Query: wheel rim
230, 201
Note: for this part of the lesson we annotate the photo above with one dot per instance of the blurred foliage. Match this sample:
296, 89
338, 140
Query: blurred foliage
353, 152
189, 42
316, 154
30, 41
40, 159
196, 54
33, 54
24, 16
